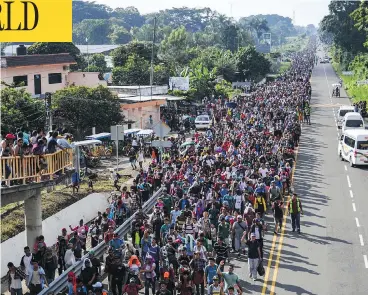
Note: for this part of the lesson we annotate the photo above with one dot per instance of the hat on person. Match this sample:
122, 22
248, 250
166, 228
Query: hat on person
215, 278
166, 274
252, 234
9, 136
97, 285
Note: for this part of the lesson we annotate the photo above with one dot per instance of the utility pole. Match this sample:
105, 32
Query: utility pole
87, 54
152, 53
48, 123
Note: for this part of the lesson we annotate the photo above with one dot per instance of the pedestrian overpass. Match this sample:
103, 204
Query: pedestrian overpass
24, 177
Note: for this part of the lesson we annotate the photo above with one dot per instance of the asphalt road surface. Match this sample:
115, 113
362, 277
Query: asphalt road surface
330, 254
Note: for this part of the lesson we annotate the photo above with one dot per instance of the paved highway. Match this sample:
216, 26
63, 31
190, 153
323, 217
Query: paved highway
330, 255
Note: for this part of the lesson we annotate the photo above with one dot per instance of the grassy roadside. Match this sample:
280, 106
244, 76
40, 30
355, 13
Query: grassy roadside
12, 215
284, 67
293, 44
356, 93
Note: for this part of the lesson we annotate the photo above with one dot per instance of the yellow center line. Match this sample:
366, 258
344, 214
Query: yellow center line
282, 232
268, 270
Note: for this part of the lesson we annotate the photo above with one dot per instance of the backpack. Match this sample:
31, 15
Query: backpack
157, 219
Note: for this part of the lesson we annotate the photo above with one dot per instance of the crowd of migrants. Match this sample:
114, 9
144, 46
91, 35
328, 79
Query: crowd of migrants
23, 143
212, 208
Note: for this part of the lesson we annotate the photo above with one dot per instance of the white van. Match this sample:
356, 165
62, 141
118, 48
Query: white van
202, 122
343, 110
353, 147
352, 121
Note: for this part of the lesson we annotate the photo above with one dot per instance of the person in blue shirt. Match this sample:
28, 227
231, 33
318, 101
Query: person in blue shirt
116, 243
184, 202
224, 191
210, 271
81, 289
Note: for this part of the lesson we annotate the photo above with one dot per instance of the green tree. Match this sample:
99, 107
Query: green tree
252, 64
19, 109
119, 35
202, 81
58, 47
342, 27
134, 72
89, 10
360, 17
173, 48
2, 46
84, 107
142, 49
161, 74
96, 31
97, 63
130, 16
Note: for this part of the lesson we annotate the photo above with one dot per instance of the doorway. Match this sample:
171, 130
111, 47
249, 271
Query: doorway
37, 84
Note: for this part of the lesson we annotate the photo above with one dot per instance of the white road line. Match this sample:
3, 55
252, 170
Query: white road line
357, 222
346, 168
365, 261
354, 208
361, 240
328, 84
349, 183
351, 194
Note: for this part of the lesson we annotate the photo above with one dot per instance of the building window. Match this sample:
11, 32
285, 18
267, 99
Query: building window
55, 78
20, 81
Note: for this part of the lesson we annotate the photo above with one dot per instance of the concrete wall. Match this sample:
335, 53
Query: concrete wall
7, 75
88, 79
141, 115
86, 209
143, 90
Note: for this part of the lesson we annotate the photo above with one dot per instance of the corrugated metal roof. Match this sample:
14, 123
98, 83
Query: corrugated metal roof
36, 60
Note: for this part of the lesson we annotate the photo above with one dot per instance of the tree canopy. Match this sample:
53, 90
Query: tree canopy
58, 47
82, 108
206, 27
18, 110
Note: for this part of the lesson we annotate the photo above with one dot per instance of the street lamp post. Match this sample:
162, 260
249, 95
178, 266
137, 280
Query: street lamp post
87, 55
152, 53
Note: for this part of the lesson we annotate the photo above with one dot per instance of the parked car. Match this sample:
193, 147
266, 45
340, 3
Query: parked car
202, 122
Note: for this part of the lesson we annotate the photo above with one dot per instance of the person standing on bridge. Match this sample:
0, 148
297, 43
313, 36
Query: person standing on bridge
295, 209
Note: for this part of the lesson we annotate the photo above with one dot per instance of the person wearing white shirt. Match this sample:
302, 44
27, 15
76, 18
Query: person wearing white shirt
69, 257
263, 170
63, 142
140, 158
25, 262
239, 199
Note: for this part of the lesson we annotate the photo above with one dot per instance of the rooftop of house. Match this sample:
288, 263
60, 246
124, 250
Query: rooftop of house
36, 60
84, 49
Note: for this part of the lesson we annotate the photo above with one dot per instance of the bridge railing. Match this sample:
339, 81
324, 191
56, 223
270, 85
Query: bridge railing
34, 167
60, 282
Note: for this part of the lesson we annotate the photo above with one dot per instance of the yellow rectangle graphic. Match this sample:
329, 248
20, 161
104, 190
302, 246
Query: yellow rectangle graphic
36, 21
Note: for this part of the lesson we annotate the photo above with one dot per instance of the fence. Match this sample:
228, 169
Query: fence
60, 283
34, 167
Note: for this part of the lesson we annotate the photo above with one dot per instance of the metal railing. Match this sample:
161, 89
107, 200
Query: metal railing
60, 283
34, 167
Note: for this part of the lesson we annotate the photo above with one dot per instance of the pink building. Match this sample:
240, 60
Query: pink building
44, 73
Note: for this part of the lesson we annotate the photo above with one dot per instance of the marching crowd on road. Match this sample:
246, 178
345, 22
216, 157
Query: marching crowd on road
212, 210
